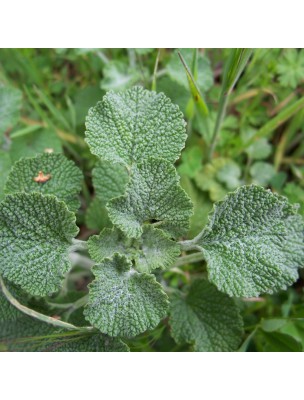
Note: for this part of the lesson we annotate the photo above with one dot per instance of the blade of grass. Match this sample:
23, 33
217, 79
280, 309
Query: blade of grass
60, 119
277, 121
235, 65
25, 131
194, 89
153, 86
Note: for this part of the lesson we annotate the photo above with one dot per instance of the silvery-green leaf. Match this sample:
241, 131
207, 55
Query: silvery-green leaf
36, 232
96, 216
153, 194
63, 178
253, 243
109, 180
152, 250
124, 302
206, 318
131, 126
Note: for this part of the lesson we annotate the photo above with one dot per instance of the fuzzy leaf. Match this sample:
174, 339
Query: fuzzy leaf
10, 104
109, 180
253, 243
97, 216
133, 125
207, 318
36, 232
153, 194
122, 301
64, 178
152, 250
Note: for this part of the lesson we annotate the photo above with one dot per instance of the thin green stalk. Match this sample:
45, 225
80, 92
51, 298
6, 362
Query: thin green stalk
41, 317
219, 119
188, 259
153, 86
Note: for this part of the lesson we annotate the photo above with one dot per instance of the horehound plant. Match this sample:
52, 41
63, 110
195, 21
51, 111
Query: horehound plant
252, 243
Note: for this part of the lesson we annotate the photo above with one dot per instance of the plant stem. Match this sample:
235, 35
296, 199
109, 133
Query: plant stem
78, 245
41, 317
188, 259
218, 124
80, 260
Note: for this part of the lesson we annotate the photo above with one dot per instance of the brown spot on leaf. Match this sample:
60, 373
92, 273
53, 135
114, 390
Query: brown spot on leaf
41, 178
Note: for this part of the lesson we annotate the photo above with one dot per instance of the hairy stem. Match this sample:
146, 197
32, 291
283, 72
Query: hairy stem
78, 245
188, 259
41, 317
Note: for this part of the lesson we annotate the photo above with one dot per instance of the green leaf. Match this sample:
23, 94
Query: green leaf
64, 178
153, 250
122, 301
278, 342
194, 90
19, 332
177, 73
96, 216
10, 104
234, 67
5, 166
262, 173
290, 67
218, 177
152, 195
109, 180
119, 76
157, 250
133, 125
295, 194
259, 150
39, 141
206, 318
253, 243
36, 232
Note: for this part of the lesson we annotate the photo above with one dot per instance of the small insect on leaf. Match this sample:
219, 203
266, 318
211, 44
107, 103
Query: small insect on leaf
41, 178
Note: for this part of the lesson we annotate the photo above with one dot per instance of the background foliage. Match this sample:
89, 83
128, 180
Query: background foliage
45, 95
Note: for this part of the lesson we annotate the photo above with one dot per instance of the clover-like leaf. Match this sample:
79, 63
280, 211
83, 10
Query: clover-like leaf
152, 250
47, 174
10, 104
109, 180
206, 318
253, 243
36, 232
133, 125
152, 195
124, 302
19, 332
